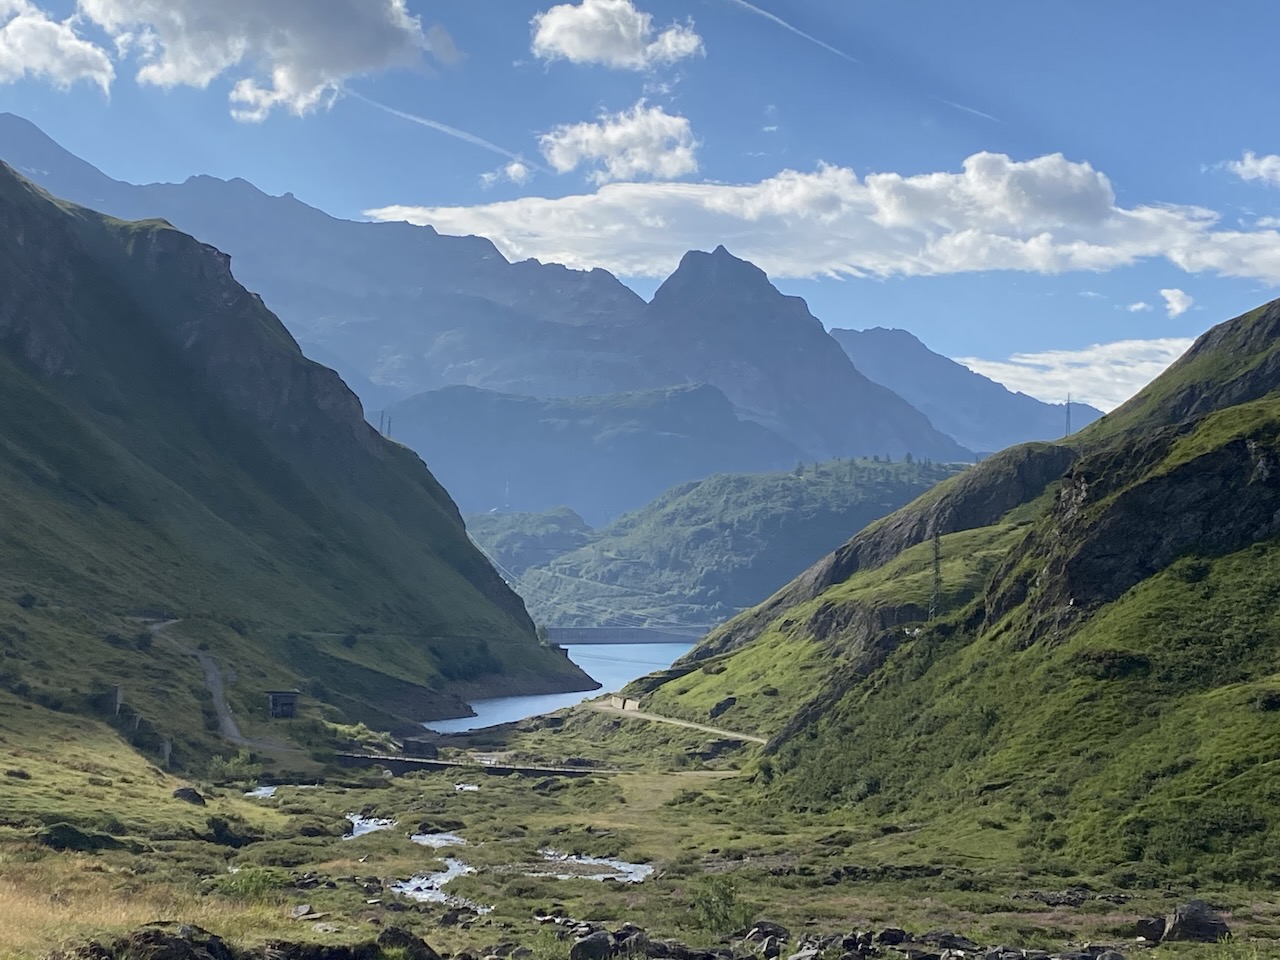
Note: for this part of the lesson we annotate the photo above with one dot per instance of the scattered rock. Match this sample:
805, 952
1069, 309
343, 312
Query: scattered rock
594, 946
16, 774
412, 947
1151, 929
891, 936
1198, 922
189, 795
763, 929
65, 836
724, 706
300, 911
948, 940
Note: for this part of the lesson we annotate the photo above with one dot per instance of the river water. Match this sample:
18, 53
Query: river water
613, 664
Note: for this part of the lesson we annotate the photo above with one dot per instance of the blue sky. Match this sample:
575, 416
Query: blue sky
1010, 181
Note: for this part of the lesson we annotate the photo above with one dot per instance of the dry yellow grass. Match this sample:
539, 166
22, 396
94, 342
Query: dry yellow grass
64, 899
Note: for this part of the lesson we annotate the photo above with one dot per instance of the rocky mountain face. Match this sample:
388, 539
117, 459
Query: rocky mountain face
403, 310
601, 455
719, 320
1112, 590
169, 448
978, 412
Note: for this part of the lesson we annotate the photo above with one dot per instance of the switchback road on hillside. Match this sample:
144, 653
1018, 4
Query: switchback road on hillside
213, 679
604, 707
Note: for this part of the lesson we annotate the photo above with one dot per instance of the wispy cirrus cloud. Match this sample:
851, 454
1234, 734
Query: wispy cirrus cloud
792, 28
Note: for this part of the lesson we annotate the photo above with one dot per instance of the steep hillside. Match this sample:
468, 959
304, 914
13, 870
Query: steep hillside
1098, 685
600, 455
719, 320
978, 412
402, 306
700, 552
167, 450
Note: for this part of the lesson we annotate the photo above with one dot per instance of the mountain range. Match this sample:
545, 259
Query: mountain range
1087, 678
169, 453
400, 310
979, 413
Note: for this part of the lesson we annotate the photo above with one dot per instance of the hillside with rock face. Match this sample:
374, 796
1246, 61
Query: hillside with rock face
169, 450
978, 412
719, 320
601, 455
1102, 659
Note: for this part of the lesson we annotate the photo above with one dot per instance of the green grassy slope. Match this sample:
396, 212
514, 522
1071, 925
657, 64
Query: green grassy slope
702, 551
1098, 692
166, 448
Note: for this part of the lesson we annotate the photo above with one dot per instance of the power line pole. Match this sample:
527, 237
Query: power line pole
935, 601
1068, 414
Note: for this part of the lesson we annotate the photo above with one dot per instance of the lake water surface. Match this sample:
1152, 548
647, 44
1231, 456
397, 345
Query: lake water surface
613, 664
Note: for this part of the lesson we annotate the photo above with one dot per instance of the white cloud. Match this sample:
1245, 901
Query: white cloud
293, 54
33, 44
1103, 375
1176, 303
1046, 215
610, 32
1253, 167
515, 171
1140, 307
640, 142
1266, 223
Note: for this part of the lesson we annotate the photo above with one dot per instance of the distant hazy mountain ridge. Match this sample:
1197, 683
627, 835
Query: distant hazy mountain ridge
978, 412
408, 310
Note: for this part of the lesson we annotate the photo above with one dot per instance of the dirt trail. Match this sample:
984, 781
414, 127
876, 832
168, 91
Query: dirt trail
213, 679
641, 715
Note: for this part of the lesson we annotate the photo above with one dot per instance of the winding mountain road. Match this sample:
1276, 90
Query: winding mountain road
603, 707
214, 681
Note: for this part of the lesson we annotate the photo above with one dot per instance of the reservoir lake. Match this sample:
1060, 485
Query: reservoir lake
613, 664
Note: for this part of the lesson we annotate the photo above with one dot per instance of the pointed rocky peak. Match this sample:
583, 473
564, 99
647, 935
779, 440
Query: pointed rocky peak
719, 273
885, 335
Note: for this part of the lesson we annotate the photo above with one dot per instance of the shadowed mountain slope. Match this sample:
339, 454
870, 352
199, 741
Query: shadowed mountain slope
167, 448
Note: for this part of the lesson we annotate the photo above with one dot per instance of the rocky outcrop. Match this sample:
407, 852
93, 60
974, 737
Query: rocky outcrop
1196, 921
1235, 362
1123, 515
977, 498
719, 320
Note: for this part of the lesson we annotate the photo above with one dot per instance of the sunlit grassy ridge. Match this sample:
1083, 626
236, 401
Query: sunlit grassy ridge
1098, 689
